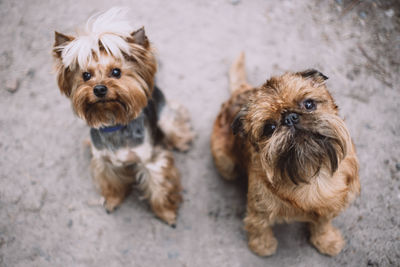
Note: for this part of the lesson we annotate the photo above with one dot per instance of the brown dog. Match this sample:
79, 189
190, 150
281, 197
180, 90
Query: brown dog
287, 137
107, 71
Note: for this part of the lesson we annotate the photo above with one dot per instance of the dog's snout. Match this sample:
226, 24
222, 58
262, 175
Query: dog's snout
291, 119
100, 90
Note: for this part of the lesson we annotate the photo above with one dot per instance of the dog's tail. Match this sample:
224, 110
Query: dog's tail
237, 74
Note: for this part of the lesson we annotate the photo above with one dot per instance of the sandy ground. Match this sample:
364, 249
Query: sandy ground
49, 209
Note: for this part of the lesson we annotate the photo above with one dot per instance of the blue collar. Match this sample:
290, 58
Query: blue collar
111, 129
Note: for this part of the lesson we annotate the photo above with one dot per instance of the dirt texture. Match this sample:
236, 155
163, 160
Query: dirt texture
50, 212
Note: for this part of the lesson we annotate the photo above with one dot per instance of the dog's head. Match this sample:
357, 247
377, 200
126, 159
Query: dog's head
107, 71
293, 122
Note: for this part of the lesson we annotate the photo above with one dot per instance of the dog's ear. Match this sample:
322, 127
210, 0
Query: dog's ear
313, 74
237, 123
140, 38
59, 41
64, 78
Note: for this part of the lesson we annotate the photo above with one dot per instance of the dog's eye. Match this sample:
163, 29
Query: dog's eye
269, 129
116, 73
309, 104
86, 76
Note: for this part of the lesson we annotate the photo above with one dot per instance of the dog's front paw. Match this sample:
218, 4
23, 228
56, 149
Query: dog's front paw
263, 245
328, 242
168, 216
111, 203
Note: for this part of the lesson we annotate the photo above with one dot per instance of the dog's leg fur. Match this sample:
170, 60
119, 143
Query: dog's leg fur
175, 124
222, 146
261, 239
326, 238
113, 182
160, 184
260, 218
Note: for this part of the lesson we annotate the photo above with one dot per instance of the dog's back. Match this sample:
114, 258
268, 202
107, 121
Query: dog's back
223, 142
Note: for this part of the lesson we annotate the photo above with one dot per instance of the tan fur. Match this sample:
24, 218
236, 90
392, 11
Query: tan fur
162, 185
114, 182
316, 195
237, 75
156, 176
126, 96
148, 166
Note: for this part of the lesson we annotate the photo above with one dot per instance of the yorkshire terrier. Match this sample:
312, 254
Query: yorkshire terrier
107, 71
300, 162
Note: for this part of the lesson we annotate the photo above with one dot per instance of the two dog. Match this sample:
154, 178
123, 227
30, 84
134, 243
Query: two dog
285, 136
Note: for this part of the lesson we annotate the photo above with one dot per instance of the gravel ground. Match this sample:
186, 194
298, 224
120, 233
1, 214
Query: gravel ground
49, 209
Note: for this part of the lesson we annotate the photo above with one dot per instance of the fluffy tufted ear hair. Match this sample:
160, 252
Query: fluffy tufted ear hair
64, 75
60, 40
64, 78
140, 38
313, 74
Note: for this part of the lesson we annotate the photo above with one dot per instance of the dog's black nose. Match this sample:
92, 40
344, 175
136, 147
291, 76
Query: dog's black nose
292, 119
100, 90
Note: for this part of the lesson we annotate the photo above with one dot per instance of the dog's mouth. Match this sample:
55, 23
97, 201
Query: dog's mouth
106, 101
305, 154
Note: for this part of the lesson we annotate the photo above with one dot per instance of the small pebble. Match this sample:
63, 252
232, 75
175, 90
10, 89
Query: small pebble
12, 85
397, 166
127, 219
235, 2
173, 255
362, 15
389, 13
368, 126
30, 73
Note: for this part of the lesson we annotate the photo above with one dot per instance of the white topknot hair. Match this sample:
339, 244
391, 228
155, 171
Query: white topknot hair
110, 29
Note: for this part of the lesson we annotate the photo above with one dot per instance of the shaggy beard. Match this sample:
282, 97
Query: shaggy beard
124, 106
106, 114
299, 155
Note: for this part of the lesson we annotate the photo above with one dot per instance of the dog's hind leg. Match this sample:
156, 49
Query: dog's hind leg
222, 144
160, 183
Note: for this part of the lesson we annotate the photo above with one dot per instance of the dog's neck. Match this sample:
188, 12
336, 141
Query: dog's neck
133, 134
110, 129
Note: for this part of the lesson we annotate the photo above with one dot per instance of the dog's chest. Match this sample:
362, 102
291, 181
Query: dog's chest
324, 195
130, 145
126, 155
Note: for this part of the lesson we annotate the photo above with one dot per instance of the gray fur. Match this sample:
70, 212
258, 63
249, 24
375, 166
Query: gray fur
132, 135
